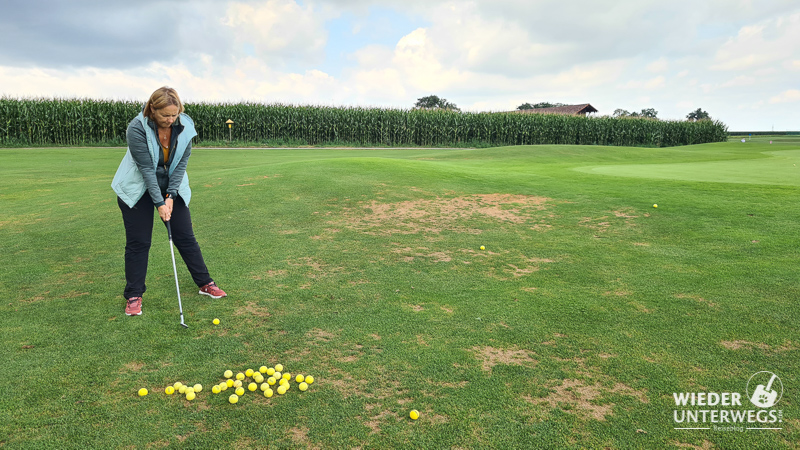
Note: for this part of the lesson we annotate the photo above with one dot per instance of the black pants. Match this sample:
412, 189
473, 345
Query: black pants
139, 233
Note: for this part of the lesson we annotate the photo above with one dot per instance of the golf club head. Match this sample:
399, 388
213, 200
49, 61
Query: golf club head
184, 325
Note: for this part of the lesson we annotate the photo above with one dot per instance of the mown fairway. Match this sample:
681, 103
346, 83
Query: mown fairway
573, 328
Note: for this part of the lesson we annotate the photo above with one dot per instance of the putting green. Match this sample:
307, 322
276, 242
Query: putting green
782, 168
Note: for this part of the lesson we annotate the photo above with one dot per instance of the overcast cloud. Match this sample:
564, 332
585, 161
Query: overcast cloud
737, 59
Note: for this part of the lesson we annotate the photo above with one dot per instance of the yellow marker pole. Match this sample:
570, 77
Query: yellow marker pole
230, 132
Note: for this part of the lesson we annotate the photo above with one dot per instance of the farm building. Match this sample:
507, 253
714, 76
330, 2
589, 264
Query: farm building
570, 110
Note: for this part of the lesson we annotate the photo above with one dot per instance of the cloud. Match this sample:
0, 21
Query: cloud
761, 44
790, 96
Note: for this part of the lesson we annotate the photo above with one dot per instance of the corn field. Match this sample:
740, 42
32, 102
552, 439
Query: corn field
72, 122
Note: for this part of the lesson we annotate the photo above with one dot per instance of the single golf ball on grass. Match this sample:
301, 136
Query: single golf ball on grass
198, 388
248, 372
270, 371
309, 379
229, 382
215, 389
277, 375
189, 390
264, 386
282, 390
302, 386
655, 205
142, 392
278, 367
287, 376
223, 387
263, 369
228, 374
233, 398
483, 248
258, 378
414, 414
239, 391
182, 389
169, 390
252, 387
240, 376
237, 383
177, 385
268, 392
271, 381
300, 378
283, 382
190, 396
215, 321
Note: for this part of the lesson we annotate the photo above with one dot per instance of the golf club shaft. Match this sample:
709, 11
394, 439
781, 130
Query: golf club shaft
175, 271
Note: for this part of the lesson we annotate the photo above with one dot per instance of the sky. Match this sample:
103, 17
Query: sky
739, 60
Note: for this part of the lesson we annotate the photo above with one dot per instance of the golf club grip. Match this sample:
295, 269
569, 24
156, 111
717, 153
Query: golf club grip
169, 229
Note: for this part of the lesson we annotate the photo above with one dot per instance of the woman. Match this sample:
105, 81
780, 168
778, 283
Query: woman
153, 175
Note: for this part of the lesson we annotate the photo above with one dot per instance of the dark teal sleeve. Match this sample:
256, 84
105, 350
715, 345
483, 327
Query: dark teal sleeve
137, 144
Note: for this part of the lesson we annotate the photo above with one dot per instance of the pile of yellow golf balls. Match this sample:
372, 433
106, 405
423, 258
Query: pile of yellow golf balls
265, 378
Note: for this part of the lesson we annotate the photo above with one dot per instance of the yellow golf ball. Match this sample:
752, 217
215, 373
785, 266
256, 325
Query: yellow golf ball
188, 390
278, 367
240, 376
142, 392
271, 381
282, 390
300, 378
303, 386
215, 389
258, 378
483, 248
248, 372
309, 379
228, 374
229, 382
237, 383
182, 389
233, 398
263, 369
215, 321
223, 387
283, 382
190, 396
239, 391
414, 414
277, 375
270, 371
655, 205
264, 386
177, 385
287, 376
252, 387
198, 388
169, 390
268, 393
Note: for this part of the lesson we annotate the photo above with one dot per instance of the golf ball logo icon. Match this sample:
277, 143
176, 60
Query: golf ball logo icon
764, 389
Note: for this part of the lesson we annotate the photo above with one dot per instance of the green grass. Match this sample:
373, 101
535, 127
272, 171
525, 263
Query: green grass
586, 311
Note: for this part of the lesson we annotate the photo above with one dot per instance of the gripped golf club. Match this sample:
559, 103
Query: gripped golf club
175, 270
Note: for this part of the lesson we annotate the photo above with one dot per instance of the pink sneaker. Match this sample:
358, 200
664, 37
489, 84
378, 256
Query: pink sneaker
213, 291
134, 306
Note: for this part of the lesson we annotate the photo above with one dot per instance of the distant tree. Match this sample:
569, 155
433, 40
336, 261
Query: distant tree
698, 114
621, 113
539, 105
434, 102
650, 113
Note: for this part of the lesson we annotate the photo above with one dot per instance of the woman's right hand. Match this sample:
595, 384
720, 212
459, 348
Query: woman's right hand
165, 210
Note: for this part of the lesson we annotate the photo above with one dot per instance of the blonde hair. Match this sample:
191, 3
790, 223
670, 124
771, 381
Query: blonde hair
162, 97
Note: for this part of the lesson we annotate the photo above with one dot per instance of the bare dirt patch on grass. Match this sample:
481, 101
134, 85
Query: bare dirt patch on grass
440, 214
490, 357
585, 399
252, 309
